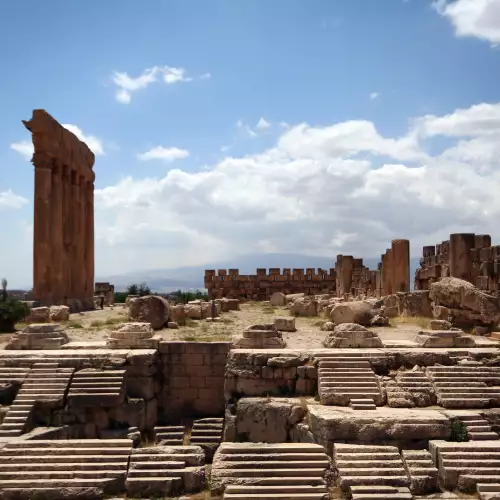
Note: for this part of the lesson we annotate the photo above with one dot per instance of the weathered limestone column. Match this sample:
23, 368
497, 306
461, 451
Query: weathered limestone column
389, 264
460, 255
67, 231
56, 232
82, 238
346, 277
89, 243
41, 230
400, 266
75, 234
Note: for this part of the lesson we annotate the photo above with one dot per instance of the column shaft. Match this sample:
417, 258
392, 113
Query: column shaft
67, 232
75, 233
90, 243
401, 265
41, 232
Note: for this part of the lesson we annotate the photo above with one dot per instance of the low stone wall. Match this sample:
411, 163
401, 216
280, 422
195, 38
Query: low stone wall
269, 373
192, 379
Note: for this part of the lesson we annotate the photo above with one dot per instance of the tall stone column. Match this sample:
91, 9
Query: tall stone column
67, 232
56, 232
346, 277
401, 265
41, 230
89, 243
82, 237
389, 264
460, 255
75, 234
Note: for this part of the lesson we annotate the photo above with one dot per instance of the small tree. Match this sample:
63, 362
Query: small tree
144, 289
11, 310
132, 290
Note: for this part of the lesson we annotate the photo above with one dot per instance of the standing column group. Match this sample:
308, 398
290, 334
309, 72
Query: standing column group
395, 269
63, 234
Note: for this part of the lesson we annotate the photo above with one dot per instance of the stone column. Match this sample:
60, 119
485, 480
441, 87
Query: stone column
346, 277
460, 255
41, 230
56, 232
89, 244
67, 232
401, 265
389, 264
81, 253
75, 234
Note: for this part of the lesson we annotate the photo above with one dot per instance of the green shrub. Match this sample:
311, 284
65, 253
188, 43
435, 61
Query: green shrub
458, 431
11, 311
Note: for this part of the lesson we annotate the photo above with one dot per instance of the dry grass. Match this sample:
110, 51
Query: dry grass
113, 320
419, 321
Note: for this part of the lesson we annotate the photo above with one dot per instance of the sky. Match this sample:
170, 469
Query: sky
229, 127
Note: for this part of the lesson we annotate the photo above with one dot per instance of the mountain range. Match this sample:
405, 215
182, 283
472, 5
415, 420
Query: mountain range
192, 277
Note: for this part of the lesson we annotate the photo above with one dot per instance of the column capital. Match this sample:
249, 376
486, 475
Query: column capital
42, 161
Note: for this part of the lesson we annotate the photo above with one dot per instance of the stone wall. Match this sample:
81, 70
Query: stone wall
467, 256
192, 379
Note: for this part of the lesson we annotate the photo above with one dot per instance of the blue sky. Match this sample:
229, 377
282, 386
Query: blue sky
398, 102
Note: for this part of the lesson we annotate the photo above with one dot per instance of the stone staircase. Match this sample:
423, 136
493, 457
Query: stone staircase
46, 382
421, 471
165, 471
466, 386
342, 378
478, 428
464, 465
207, 433
39, 467
250, 471
488, 490
92, 387
170, 434
362, 469
409, 389
362, 404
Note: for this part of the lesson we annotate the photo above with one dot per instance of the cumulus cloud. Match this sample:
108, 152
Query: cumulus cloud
8, 199
374, 95
476, 18
262, 124
127, 85
342, 188
25, 148
165, 154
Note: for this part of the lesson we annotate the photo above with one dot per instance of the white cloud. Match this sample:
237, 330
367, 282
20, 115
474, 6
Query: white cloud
476, 18
169, 74
24, 148
165, 154
94, 143
8, 199
262, 124
284, 125
246, 128
319, 190
374, 95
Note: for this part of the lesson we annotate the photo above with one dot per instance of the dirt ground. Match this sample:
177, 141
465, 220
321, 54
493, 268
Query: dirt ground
97, 325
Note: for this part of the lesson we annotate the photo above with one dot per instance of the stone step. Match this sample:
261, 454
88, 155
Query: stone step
469, 390
476, 454
375, 456
374, 470
136, 486
282, 457
482, 436
478, 428
203, 425
206, 431
463, 403
279, 465
170, 428
74, 474
271, 490
150, 472
52, 483
156, 464
280, 496
262, 449
270, 473
63, 466
488, 488
472, 463
363, 464
349, 481
170, 435
63, 459
357, 448
204, 439
277, 480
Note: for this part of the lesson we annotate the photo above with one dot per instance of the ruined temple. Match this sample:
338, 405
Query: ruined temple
467, 256
63, 240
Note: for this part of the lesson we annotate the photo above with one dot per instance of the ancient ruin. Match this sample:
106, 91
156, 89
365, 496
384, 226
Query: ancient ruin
349, 277
63, 243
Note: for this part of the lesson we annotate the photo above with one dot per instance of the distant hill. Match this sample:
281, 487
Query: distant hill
191, 277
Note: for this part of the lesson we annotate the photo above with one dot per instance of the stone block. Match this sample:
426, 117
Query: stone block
180, 382
285, 323
140, 387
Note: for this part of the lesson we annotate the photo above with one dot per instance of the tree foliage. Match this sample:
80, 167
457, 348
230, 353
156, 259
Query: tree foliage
185, 297
11, 310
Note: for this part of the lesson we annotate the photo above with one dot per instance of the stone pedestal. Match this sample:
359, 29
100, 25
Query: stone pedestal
133, 336
444, 338
352, 335
264, 336
39, 336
